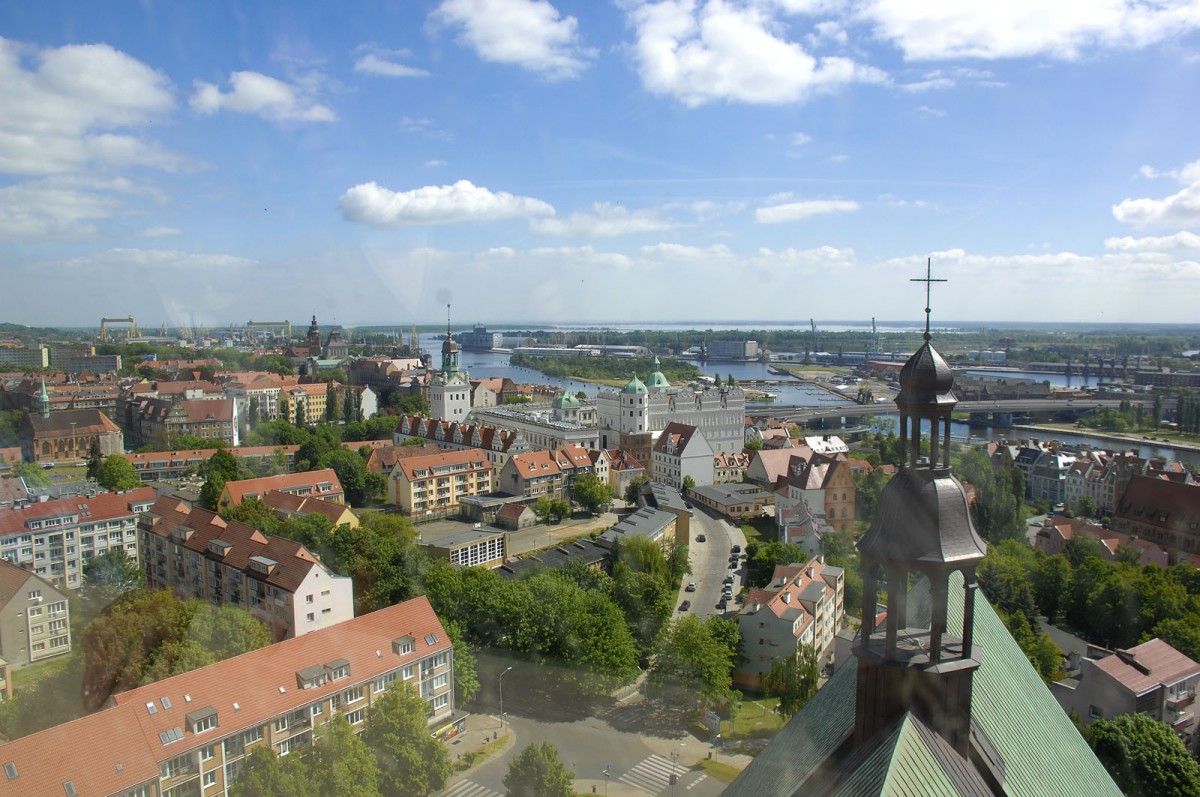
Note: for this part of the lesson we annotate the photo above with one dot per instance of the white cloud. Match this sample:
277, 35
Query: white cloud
1181, 209
159, 259
531, 34
1169, 243
1024, 28
926, 110
930, 84
799, 139
373, 204
47, 210
578, 256
796, 211
379, 63
57, 111
160, 232
423, 127
1190, 173
261, 95
432, 164
723, 52
604, 220
1063, 267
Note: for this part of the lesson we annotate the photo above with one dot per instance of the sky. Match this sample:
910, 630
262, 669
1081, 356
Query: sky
208, 163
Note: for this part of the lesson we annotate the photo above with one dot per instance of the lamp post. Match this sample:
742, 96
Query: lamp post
606, 780
502, 723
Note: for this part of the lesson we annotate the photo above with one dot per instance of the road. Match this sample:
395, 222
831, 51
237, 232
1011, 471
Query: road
710, 561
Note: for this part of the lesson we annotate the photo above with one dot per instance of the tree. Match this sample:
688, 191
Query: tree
117, 473
688, 482
342, 764
635, 489
466, 681
112, 571
411, 762
693, 665
94, 460
538, 772
221, 467
1144, 756
543, 507
331, 405
31, 474
1087, 506
264, 774
590, 493
351, 472
793, 679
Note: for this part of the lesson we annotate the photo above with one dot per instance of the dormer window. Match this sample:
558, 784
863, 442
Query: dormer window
202, 720
311, 677
338, 669
404, 645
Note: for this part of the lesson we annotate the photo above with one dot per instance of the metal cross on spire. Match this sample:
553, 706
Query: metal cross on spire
447, 320
928, 280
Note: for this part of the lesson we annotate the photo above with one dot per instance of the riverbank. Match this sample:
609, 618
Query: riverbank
1114, 437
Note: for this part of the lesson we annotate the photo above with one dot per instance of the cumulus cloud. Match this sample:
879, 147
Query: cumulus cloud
1181, 209
60, 105
1168, 243
531, 34
48, 210
1063, 267
796, 211
1023, 28
385, 63
733, 53
604, 220
261, 95
371, 203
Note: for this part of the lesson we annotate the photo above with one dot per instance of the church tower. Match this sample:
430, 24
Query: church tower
314, 338
449, 391
922, 528
43, 400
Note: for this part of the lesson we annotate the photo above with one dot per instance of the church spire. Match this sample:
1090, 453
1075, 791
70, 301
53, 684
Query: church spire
923, 528
44, 400
449, 352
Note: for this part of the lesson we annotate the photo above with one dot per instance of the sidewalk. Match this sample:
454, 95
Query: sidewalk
481, 729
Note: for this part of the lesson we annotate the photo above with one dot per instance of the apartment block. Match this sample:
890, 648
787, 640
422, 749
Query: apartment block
321, 484
802, 608
190, 734
54, 538
35, 620
173, 464
544, 473
438, 482
198, 554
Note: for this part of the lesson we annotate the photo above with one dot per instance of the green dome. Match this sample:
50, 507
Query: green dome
656, 378
565, 401
634, 387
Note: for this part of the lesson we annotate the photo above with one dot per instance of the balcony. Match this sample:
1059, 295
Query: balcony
1180, 702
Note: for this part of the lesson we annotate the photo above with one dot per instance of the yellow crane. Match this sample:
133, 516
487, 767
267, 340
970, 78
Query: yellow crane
104, 322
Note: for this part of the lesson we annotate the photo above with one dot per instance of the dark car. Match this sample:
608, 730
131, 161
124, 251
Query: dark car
683, 607
733, 565
700, 538
721, 604
729, 580
736, 549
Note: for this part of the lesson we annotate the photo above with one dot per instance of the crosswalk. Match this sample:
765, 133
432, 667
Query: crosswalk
652, 774
469, 788
697, 782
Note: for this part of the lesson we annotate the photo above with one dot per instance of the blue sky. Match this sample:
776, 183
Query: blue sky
589, 161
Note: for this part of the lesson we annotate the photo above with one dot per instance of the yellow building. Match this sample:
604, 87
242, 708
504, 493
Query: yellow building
437, 482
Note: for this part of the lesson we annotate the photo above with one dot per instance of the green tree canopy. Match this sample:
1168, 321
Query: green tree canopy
117, 473
264, 774
410, 761
590, 493
537, 772
693, 665
112, 571
342, 764
793, 679
1144, 756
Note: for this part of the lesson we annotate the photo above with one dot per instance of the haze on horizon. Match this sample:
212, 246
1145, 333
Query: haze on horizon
588, 163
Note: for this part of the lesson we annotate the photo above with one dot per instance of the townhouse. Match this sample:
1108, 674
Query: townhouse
1161, 510
173, 464
190, 734
55, 538
497, 444
544, 473
681, 452
198, 554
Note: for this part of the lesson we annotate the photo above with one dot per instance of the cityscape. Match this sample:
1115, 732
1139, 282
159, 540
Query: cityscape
743, 397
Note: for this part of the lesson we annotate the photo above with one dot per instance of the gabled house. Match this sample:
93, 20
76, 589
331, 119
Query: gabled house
680, 452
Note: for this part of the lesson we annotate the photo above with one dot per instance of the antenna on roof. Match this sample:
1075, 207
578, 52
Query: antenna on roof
928, 280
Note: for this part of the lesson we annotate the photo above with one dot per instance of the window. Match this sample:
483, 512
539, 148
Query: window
354, 695
355, 717
253, 735
210, 779
441, 701
408, 672
308, 598
35, 611
281, 724
317, 709
176, 766
206, 753
35, 594
37, 629
1095, 712
205, 723
310, 617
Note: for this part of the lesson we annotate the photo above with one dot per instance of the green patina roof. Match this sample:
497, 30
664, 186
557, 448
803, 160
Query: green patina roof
657, 378
634, 386
1041, 751
565, 401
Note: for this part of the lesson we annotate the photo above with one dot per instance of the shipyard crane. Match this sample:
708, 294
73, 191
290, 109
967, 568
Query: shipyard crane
104, 322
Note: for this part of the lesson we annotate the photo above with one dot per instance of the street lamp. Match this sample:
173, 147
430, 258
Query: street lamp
501, 679
606, 780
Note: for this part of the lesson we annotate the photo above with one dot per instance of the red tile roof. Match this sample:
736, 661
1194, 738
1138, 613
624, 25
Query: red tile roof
105, 506
1148, 665
286, 482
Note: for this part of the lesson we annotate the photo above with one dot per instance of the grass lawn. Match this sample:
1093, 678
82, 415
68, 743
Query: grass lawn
761, 531
719, 770
482, 754
755, 718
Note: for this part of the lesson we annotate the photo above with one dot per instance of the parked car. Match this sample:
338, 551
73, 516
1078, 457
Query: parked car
736, 549
700, 538
691, 587
683, 607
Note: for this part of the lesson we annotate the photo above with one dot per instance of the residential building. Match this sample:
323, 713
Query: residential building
286, 505
1056, 531
384, 458
1162, 511
55, 538
514, 516
544, 473
321, 484
768, 466
64, 393
190, 734
31, 357
497, 444
640, 408
159, 421
304, 403
198, 554
1152, 678
731, 350
680, 453
173, 464
802, 608
730, 467
438, 482
35, 618
827, 483
482, 547
623, 469
1048, 476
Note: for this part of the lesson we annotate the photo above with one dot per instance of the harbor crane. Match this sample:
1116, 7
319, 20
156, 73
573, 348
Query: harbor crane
104, 322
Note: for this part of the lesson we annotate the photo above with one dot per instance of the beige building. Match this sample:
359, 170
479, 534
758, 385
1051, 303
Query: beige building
321, 484
54, 538
35, 620
544, 473
197, 554
438, 482
802, 608
190, 734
